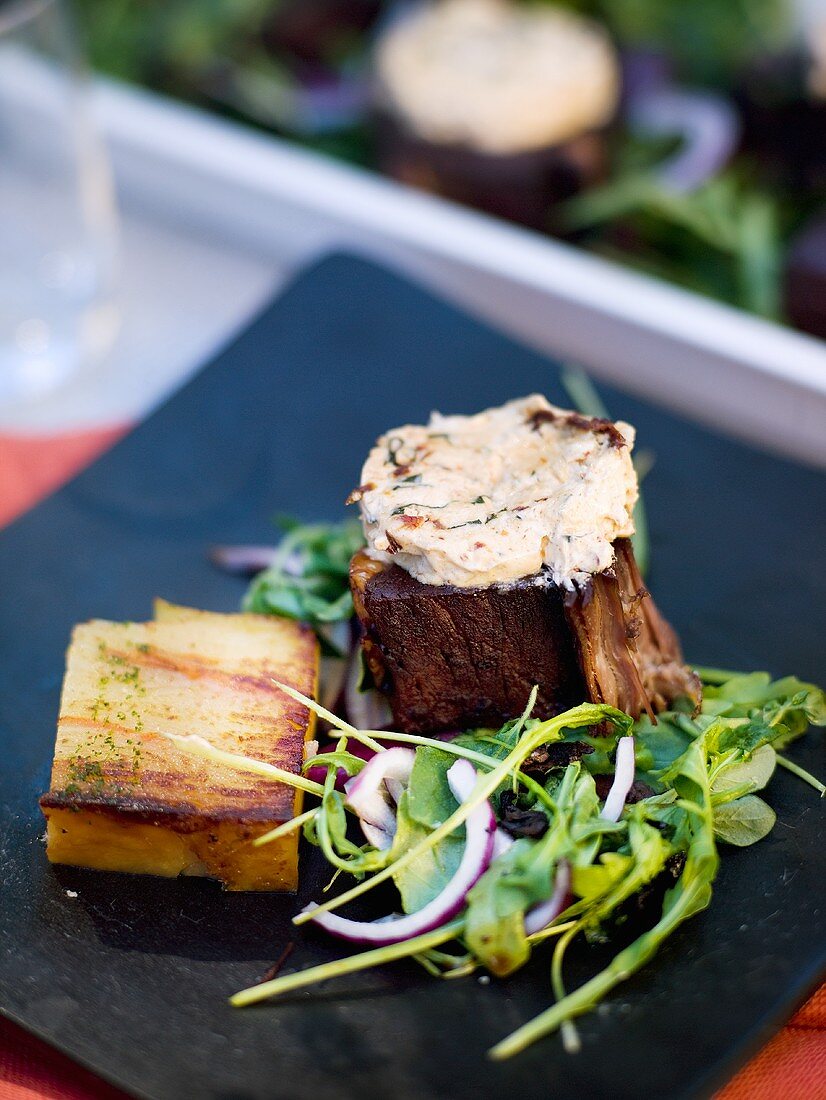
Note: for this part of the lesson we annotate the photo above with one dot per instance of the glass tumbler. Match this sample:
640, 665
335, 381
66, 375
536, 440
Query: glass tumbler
58, 231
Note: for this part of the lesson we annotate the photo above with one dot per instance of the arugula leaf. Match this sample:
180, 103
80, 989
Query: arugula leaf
425, 804
743, 821
754, 711
649, 851
688, 896
309, 579
596, 879
727, 214
791, 701
495, 919
327, 829
498, 743
429, 798
524, 875
746, 776
658, 746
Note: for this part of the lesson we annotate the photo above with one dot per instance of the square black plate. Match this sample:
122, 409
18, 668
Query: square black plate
130, 977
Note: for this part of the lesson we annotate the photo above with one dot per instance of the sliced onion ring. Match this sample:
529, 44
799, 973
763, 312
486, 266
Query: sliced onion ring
480, 828
707, 123
244, 560
395, 788
377, 837
623, 780
366, 791
461, 781
502, 841
461, 786
541, 915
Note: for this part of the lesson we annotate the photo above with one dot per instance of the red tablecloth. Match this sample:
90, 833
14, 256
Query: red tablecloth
791, 1067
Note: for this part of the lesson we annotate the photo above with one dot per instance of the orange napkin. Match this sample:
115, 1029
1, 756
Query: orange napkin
31, 467
791, 1067
31, 1070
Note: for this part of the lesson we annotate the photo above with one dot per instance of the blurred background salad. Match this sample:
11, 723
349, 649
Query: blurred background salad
685, 139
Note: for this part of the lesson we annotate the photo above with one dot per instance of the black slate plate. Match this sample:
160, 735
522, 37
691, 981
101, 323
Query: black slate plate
131, 976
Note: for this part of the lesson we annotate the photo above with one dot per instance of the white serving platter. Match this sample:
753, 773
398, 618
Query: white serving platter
215, 216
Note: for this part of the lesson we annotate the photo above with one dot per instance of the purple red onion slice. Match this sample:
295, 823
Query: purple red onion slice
707, 122
369, 796
461, 786
541, 915
480, 828
623, 780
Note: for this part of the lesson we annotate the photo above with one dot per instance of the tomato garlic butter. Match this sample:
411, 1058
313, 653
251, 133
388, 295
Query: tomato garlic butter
523, 490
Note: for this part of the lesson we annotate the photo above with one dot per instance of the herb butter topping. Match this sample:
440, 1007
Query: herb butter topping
499, 77
523, 490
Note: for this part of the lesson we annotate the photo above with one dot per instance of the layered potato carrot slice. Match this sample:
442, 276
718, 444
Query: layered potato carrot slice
124, 796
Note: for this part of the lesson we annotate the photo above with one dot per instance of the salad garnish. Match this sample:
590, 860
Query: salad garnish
308, 576
676, 790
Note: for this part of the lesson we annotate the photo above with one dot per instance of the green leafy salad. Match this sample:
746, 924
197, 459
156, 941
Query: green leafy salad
505, 842
307, 579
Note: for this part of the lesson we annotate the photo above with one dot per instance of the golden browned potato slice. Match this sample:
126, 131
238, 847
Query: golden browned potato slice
124, 797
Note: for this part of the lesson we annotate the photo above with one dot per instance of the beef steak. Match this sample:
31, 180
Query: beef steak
456, 658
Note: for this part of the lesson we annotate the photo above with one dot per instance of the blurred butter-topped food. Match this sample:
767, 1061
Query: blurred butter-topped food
499, 77
514, 91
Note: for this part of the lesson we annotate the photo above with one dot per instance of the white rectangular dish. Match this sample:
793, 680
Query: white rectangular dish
225, 214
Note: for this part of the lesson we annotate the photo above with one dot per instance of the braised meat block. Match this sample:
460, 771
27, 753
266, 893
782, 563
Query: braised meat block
455, 658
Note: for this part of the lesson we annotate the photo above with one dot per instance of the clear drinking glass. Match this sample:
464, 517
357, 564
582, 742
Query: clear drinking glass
57, 213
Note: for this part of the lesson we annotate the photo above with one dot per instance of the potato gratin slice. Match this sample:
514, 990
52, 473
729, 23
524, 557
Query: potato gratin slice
125, 797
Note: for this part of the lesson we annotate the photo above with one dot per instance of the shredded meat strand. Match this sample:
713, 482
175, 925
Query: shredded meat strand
629, 655
659, 654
